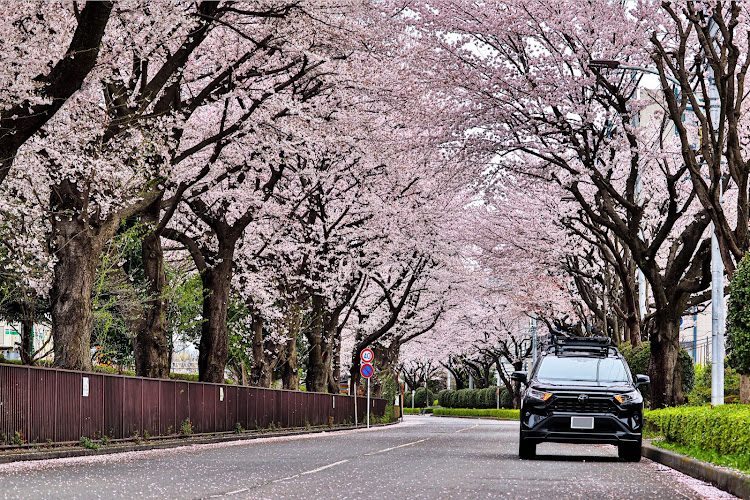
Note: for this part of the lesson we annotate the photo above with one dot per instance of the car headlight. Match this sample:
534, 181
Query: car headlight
629, 397
543, 396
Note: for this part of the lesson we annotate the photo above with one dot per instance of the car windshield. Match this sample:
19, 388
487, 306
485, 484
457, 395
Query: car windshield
583, 369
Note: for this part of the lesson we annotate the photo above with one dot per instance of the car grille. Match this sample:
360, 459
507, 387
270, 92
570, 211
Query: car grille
591, 405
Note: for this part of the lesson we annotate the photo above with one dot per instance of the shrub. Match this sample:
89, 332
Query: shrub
186, 428
475, 398
488, 412
89, 444
738, 318
464, 399
445, 398
724, 429
701, 393
419, 398
506, 399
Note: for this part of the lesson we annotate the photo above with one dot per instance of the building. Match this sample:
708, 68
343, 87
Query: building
10, 340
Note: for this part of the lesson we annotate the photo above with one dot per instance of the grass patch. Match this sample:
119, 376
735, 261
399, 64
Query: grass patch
416, 411
740, 462
467, 412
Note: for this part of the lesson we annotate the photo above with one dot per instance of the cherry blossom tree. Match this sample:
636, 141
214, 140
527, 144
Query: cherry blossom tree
44, 66
529, 95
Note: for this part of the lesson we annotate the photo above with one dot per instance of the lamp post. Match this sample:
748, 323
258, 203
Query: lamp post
717, 264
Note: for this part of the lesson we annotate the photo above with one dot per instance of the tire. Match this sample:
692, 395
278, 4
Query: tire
526, 449
630, 452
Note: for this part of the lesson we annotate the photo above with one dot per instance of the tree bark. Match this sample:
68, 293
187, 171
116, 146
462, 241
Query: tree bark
151, 343
213, 350
77, 252
27, 338
665, 370
744, 389
261, 373
334, 374
290, 374
316, 379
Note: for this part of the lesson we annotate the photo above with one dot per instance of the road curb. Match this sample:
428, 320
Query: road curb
82, 452
476, 418
736, 483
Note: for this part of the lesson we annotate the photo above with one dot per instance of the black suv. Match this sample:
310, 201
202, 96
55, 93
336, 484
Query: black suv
581, 391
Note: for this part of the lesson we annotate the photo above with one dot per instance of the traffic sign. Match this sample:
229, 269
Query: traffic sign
366, 370
367, 355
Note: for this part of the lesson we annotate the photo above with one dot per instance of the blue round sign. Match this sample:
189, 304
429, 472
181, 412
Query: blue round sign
366, 371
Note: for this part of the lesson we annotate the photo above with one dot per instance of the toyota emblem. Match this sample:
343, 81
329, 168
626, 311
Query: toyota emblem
583, 398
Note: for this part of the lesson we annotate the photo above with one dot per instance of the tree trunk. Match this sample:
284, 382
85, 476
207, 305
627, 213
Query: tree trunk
27, 338
354, 371
77, 251
213, 350
516, 392
316, 379
151, 343
665, 370
332, 342
261, 374
744, 389
290, 374
336, 370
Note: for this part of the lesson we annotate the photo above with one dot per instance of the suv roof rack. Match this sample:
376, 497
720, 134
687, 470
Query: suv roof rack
592, 345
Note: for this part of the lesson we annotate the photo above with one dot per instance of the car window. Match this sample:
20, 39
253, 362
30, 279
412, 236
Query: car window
583, 369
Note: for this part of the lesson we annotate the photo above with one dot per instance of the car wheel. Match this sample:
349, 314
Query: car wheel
526, 449
630, 452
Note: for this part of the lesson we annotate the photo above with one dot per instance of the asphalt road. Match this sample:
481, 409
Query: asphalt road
425, 457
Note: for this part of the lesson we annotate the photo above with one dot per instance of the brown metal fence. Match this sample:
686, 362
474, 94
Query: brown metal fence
62, 406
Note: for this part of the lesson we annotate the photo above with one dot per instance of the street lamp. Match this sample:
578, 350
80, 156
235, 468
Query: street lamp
717, 264
613, 64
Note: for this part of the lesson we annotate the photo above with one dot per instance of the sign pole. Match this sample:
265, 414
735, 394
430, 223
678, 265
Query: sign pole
368, 402
355, 405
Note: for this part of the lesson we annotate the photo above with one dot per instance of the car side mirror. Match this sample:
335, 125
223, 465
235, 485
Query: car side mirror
520, 376
642, 380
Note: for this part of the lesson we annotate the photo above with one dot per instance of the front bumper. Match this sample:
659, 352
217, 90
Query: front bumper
621, 425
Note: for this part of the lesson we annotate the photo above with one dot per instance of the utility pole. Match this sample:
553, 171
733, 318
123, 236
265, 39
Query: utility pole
695, 335
717, 320
717, 265
534, 342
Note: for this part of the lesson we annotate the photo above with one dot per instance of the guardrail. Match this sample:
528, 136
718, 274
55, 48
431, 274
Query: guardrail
44, 404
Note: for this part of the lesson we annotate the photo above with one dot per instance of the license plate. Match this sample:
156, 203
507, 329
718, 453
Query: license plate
581, 422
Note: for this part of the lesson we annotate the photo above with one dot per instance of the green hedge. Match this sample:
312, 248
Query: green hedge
472, 412
419, 398
475, 398
724, 429
416, 411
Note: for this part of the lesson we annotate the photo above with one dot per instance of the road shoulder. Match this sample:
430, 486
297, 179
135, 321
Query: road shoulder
75, 451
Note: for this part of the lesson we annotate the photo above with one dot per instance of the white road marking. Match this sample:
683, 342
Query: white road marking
324, 467
467, 428
243, 490
395, 447
310, 471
